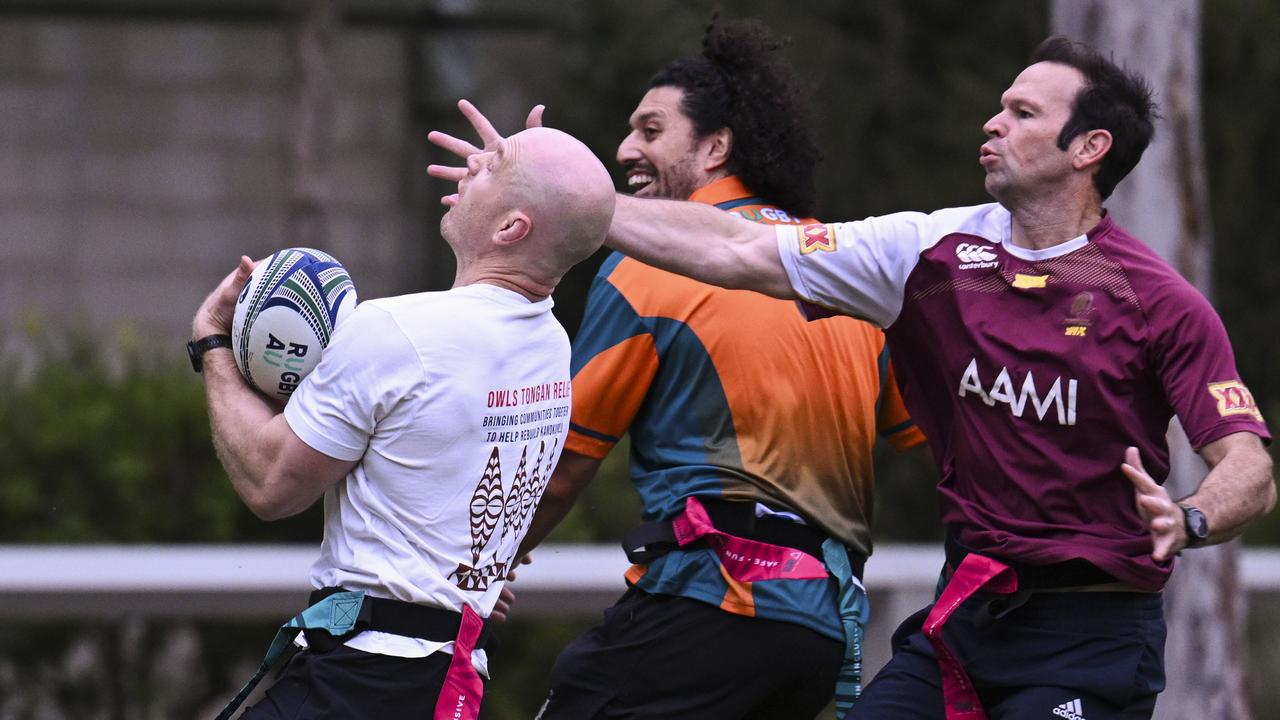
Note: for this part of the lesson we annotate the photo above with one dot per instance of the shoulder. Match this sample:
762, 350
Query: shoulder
1153, 279
912, 232
989, 221
1170, 304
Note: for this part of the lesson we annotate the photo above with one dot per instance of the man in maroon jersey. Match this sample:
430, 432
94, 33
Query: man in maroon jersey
1043, 350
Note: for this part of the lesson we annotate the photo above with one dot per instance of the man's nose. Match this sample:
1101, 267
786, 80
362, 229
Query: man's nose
993, 127
627, 150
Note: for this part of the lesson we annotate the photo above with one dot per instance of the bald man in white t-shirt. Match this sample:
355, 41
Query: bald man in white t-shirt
430, 427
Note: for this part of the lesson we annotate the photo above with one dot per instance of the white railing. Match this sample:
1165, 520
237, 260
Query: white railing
247, 581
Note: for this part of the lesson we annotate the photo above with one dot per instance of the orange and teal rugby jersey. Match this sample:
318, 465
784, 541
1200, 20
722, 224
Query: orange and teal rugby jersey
732, 394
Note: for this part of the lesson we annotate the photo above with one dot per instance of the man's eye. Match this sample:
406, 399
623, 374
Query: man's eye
650, 133
1024, 114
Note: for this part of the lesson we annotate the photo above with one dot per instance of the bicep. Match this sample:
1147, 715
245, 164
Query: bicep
755, 255
572, 474
300, 474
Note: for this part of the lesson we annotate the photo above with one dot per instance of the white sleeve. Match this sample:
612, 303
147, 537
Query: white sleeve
367, 368
861, 268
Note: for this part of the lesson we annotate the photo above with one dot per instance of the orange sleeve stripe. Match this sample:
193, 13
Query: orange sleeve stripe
587, 445
906, 439
608, 392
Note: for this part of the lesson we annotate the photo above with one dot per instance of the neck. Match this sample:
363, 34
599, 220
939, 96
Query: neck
531, 288
1041, 225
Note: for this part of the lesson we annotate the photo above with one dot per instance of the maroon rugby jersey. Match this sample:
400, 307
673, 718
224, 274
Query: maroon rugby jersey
1031, 371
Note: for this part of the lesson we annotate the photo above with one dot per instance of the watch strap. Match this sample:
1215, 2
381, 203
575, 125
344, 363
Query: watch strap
197, 348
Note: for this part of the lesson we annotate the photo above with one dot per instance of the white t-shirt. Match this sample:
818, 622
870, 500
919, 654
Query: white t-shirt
457, 405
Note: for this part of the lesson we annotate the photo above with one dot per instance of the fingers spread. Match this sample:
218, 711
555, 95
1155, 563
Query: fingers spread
457, 146
1142, 482
483, 127
535, 116
1132, 457
446, 172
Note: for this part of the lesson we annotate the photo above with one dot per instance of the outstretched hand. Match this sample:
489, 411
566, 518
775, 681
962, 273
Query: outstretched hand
463, 149
215, 313
1162, 515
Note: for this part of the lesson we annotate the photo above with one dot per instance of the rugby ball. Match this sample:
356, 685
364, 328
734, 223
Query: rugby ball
285, 316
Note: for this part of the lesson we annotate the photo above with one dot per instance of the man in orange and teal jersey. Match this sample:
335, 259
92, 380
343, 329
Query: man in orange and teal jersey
751, 429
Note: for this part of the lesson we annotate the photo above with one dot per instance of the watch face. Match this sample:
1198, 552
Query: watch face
1197, 524
194, 355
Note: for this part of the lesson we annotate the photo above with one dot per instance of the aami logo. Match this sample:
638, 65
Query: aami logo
817, 237
1003, 390
1234, 399
973, 256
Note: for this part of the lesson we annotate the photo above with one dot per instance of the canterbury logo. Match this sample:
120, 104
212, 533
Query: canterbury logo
971, 255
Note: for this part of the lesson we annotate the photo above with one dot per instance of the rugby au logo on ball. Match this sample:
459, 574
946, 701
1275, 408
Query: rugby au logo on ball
285, 316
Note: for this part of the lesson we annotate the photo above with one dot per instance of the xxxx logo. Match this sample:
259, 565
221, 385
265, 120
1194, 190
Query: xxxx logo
817, 237
1234, 399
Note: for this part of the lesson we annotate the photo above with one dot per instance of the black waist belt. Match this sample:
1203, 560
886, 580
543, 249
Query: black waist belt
1070, 573
652, 540
393, 616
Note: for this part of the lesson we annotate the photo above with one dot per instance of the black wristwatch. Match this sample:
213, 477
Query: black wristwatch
197, 348
1197, 526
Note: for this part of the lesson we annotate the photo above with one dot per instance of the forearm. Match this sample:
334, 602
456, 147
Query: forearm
572, 475
1237, 491
238, 418
701, 242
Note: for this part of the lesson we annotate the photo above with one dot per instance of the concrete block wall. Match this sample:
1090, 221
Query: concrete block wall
138, 159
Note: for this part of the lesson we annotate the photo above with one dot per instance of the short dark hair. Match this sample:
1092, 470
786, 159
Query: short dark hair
1112, 99
741, 82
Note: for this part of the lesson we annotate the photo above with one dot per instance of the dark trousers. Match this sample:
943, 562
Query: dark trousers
671, 658
349, 684
1070, 655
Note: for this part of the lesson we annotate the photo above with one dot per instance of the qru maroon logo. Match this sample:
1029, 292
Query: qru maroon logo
492, 506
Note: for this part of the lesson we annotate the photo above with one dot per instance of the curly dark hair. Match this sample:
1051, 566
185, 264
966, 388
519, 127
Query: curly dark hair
1113, 99
741, 82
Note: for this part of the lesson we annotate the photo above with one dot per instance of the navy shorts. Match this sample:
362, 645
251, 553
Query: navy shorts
659, 656
1070, 655
345, 684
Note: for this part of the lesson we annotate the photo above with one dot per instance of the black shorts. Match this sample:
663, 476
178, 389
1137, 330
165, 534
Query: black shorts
1070, 655
350, 684
659, 656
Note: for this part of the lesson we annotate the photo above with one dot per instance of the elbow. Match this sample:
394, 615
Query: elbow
559, 494
268, 504
270, 513
1269, 492
268, 508
1266, 471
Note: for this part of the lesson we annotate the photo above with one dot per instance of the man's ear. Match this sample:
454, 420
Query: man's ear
515, 227
1091, 148
721, 147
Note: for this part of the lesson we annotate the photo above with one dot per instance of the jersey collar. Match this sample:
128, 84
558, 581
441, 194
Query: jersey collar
726, 189
1061, 249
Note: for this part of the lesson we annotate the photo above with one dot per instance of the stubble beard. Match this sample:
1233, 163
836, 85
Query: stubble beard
678, 182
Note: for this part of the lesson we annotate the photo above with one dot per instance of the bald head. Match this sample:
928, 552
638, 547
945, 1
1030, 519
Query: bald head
535, 205
567, 193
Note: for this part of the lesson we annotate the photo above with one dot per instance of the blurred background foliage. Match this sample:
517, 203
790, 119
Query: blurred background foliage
117, 450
